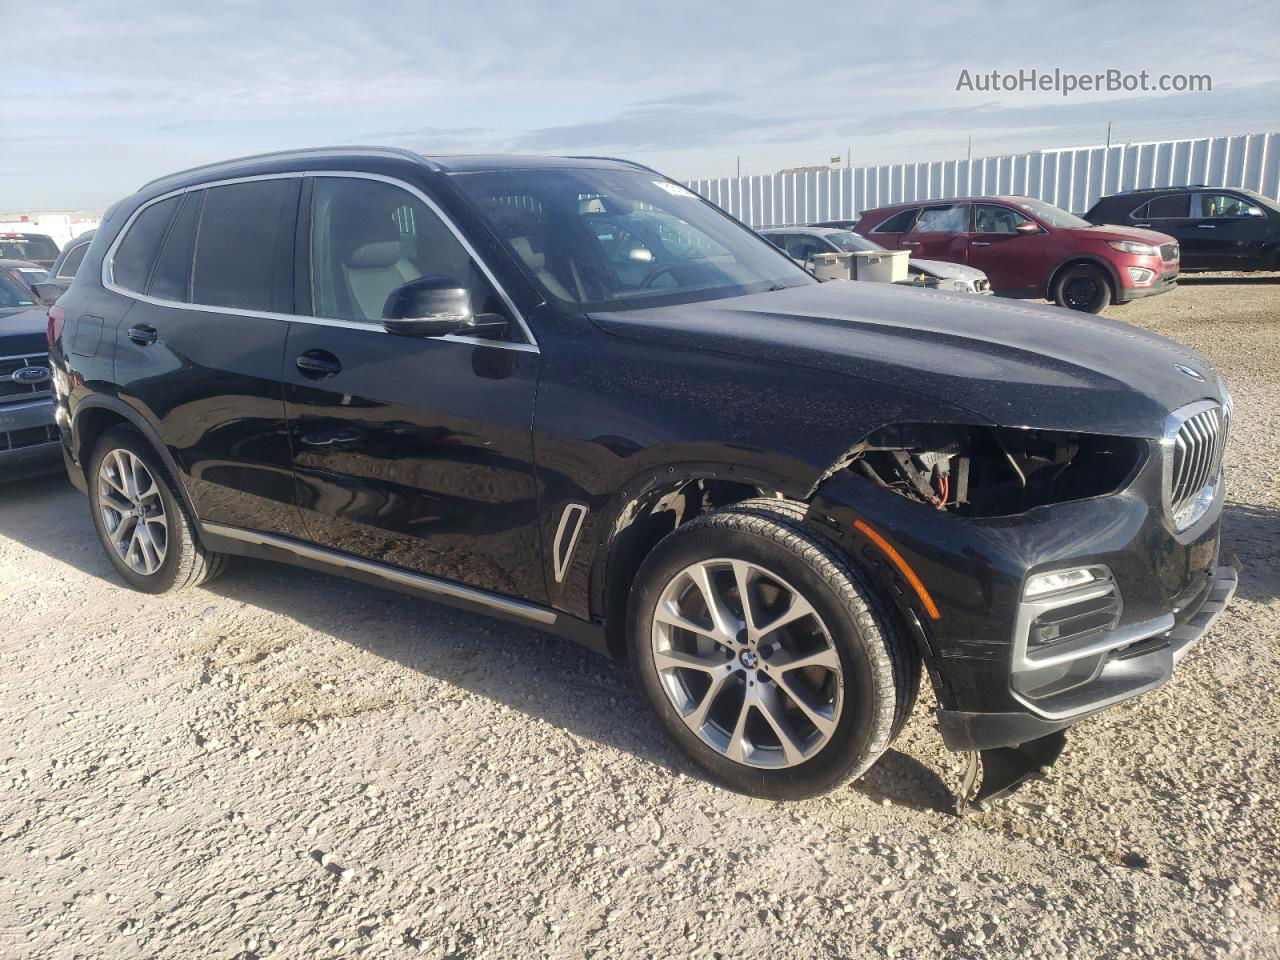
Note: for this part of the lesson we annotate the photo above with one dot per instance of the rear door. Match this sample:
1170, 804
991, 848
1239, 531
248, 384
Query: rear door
939, 233
410, 451
890, 231
1227, 236
1015, 263
199, 352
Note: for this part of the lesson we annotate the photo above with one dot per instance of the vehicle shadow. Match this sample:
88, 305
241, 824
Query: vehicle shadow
1252, 533
1208, 280
535, 673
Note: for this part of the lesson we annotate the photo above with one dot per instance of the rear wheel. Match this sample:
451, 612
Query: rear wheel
766, 657
1083, 288
144, 527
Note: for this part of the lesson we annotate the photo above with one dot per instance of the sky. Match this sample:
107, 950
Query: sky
110, 95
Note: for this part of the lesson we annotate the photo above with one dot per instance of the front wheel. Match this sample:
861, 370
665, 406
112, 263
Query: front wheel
1083, 288
144, 527
765, 655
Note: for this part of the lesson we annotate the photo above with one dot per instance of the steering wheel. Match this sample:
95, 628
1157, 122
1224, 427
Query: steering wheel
655, 274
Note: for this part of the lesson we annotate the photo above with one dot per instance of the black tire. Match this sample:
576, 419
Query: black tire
186, 563
1083, 287
879, 667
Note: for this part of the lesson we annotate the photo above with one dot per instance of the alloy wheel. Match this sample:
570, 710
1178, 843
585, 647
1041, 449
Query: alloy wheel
747, 662
133, 514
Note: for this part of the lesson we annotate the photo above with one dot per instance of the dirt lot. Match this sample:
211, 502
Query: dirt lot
291, 764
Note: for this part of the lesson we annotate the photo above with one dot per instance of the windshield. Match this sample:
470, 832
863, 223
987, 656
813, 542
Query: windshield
13, 294
615, 239
853, 243
1053, 216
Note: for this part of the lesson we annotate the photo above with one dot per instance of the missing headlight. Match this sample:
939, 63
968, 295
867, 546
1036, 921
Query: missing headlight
986, 471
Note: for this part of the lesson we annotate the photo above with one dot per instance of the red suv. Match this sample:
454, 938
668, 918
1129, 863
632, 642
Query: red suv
1029, 248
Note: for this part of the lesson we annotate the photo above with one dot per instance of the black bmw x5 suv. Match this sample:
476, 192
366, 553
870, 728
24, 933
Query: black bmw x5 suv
571, 393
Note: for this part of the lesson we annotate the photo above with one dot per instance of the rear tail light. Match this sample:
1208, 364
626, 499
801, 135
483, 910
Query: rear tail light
57, 316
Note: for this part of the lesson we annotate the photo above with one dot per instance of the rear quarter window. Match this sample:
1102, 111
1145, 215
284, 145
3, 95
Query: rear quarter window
900, 222
136, 254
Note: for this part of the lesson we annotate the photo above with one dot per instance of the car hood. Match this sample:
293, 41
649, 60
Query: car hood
1009, 364
948, 271
22, 331
1114, 232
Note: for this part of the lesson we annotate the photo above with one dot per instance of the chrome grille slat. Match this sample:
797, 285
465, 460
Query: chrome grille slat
1197, 450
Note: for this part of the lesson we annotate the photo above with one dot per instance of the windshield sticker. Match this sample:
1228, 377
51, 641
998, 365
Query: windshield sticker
673, 188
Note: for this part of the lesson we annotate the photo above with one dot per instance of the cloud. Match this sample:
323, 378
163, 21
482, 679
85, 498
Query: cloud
654, 126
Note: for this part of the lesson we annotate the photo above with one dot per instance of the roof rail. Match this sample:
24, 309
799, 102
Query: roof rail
388, 151
630, 163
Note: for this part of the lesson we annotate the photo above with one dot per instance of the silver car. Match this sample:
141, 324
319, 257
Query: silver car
800, 243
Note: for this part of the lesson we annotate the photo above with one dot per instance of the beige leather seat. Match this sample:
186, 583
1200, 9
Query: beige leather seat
372, 271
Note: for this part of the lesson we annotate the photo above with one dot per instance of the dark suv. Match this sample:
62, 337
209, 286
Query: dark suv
1218, 228
571, 393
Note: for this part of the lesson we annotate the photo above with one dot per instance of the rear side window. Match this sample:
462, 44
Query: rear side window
1164, 208
75, 257
131, 265
244, 246
899, 223
172, 277
952, 219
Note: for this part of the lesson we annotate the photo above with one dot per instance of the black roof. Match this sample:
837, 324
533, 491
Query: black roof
462, 163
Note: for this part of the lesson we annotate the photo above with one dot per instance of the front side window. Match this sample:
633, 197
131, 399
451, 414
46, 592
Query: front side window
996, 218
610, 239
244, 246
1223, 206
369, 237
75, 257
949, 219
134, 258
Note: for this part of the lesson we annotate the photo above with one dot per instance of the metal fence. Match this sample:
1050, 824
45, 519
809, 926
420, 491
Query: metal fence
1072, 178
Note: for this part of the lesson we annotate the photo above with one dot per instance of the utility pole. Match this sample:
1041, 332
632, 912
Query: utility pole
848, 158
1108, 134
970, 157
739, 168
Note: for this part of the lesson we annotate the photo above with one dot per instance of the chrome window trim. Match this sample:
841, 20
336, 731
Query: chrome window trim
573, 513
1133, 214
108, 263
69, 251
397, 575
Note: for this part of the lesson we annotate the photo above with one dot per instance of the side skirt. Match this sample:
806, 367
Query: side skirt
249, 543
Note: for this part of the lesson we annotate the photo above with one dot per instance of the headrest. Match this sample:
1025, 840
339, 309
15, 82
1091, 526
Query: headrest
371, 255
522, 246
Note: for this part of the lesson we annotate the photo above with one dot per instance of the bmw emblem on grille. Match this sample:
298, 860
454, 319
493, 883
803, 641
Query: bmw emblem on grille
31, 375
1188, 371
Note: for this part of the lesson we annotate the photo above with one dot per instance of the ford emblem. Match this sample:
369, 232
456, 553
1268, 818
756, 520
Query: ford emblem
1187, 371
31, 375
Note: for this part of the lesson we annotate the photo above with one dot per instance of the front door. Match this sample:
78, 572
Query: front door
200, 356
410, 451
1227, 237
1014, 262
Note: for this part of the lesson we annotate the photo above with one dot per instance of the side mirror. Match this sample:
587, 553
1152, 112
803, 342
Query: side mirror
47, 293
437, 307
1027, 226
1256, 212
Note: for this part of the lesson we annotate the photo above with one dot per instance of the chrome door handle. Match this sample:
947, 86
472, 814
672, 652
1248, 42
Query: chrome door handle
143, 334
979, 243
318, 365
1142, 225
1206, 226
911, 243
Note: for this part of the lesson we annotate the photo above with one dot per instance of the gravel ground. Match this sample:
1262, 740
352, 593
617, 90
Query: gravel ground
290, 764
